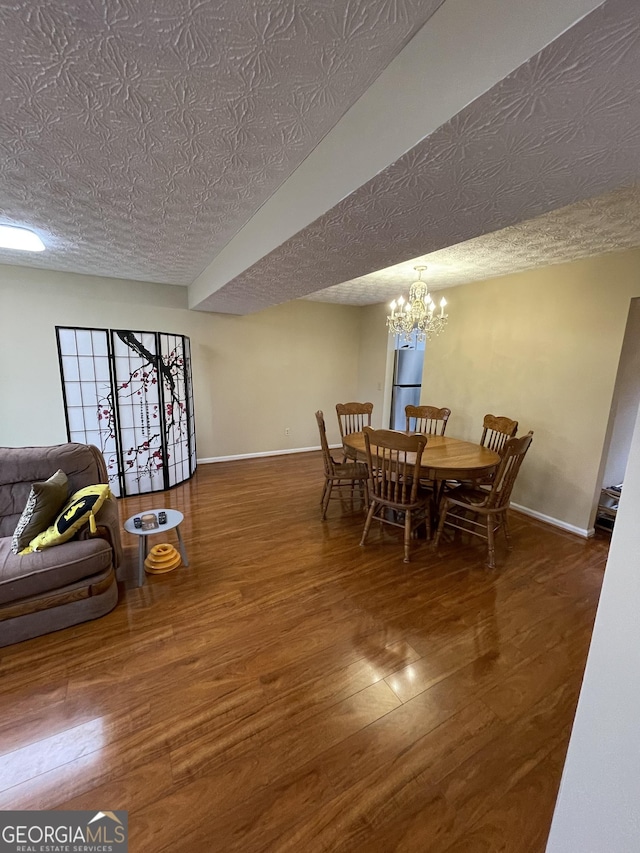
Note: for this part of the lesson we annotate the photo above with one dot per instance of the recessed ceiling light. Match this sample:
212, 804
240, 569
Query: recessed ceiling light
12, 237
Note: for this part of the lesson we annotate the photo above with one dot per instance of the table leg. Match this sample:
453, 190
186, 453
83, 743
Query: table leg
183, 550
438, 491
142, 553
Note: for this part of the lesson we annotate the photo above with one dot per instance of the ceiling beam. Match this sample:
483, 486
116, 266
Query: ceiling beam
466, 47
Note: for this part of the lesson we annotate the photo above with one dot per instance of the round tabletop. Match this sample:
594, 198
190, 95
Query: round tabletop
174, 518
443, 458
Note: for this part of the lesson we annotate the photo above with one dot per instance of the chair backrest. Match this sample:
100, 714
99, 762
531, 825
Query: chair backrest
324, 444
353, 417
496, 430
429, 420
513, 454
394, 464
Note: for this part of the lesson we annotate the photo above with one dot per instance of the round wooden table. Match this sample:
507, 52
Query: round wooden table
443, 458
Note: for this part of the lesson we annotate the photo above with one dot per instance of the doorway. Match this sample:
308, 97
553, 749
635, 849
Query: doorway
408, 365
624, 410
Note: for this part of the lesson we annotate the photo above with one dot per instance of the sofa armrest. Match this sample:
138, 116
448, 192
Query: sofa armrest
107, 518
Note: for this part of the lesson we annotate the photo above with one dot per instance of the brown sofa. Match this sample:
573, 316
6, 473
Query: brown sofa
65, 584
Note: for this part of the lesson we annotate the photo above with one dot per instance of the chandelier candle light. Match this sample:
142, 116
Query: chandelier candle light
418, 314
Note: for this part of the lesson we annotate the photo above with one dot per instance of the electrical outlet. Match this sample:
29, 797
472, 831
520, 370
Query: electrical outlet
286, 430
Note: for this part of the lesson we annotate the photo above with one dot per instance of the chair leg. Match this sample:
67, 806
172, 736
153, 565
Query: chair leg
491, 545
324, 491
407, 534
327, 498
507, 532
367, 524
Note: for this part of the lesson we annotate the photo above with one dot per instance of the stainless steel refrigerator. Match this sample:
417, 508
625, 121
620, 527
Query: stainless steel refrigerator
407, 382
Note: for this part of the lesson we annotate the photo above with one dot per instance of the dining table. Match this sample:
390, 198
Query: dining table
444, 458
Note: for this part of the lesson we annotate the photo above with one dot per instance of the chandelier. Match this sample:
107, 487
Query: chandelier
418, 314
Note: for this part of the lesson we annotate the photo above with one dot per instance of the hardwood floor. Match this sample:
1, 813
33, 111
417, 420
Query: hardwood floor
292, 691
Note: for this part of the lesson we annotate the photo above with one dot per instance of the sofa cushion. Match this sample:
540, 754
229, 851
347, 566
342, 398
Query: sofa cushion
43, 504
43, 571
80, 509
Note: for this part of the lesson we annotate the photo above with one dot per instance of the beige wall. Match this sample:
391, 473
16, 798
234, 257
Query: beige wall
542, 347
253, 376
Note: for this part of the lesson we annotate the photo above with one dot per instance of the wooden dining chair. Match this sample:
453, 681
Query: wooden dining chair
482, 512
394, 489
352, 417
496, 429
429, 420
339, 475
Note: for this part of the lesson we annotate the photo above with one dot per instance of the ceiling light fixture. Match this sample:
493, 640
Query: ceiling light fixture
12, 237
418, 314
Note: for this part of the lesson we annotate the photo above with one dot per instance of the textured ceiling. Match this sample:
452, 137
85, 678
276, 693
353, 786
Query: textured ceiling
561, 128
138, 138
593, 227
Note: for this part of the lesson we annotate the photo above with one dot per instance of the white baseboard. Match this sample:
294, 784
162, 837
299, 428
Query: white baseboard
209, 459
556, 522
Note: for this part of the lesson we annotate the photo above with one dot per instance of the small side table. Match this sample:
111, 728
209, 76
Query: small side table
174, 519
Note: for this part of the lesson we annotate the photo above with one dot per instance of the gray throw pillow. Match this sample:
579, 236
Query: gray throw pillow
43, 504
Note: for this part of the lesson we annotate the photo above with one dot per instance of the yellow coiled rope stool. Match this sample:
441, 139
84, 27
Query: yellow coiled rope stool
162, 558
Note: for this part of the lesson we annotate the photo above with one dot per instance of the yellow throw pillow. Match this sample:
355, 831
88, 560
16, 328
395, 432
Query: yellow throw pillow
80, 508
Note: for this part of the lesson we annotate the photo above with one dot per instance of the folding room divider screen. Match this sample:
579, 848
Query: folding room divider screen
130, 393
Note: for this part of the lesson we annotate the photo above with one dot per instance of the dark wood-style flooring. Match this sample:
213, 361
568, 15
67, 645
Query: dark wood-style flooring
292, 691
